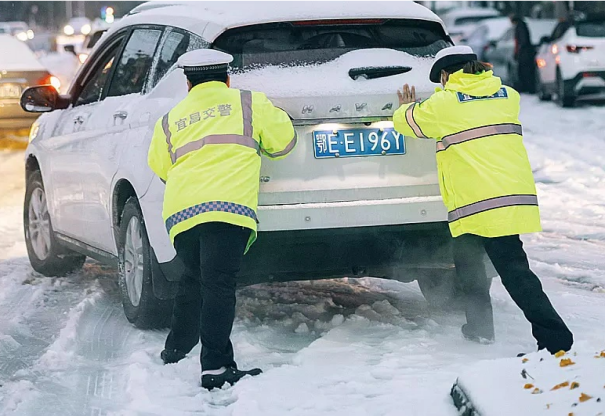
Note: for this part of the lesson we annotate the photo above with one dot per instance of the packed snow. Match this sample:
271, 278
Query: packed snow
338, 347
332, 78
538, 384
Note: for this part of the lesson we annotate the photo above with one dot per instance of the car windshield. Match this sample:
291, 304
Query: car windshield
313, 42
592, 29
469, 20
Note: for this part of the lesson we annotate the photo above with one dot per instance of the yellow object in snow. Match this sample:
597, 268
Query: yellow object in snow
207, 150
485, 176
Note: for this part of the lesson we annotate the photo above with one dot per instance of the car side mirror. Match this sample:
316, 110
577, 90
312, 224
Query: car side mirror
42, 99
70, 48
544, 39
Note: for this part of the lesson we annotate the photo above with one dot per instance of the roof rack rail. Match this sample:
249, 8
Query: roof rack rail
151, 5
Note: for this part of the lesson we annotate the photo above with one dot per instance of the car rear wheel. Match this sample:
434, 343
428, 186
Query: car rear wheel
564, 98
45, 253
141, 307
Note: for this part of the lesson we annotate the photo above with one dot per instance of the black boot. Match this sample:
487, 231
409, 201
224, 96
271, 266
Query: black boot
172, 356
472, 334
216, 379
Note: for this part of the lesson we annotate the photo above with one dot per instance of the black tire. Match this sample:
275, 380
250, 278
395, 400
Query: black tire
541, 92
57, 260
440, 290
144, 311
564, 98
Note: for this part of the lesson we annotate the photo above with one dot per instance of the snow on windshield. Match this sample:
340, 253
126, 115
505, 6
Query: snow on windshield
332, 78
16, 56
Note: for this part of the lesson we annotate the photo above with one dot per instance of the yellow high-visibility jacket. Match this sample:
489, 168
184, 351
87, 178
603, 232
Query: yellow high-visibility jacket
207, 150
485, 177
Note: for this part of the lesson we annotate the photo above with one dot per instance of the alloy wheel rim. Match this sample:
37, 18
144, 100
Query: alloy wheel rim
133, 261
39, 224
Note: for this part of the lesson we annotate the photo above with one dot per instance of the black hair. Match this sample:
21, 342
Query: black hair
199, 78
472, 67
515, 18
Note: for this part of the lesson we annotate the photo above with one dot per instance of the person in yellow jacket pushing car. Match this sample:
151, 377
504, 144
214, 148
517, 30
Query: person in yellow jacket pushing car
487, 186
207, 150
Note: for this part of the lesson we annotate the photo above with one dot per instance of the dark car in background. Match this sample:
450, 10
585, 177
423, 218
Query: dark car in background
19, 69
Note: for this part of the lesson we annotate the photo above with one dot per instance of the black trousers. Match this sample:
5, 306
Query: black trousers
524, 287
526, 71
204, 308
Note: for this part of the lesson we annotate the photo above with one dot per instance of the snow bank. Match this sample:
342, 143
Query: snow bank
332, 78
538, 384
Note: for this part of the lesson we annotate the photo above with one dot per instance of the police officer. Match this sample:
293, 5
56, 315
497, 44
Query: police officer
487, 185
207, 150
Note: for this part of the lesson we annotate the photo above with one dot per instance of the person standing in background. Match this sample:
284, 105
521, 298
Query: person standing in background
524, 56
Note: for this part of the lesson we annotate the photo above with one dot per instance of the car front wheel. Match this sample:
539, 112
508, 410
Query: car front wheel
45, 253
141, 307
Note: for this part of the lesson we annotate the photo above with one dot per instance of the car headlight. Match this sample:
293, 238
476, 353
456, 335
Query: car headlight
34, 131
82, 57
86, 29
68, 30
22, 36
30, 34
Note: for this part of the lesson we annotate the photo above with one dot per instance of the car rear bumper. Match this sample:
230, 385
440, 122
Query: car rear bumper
426, 209
587, 85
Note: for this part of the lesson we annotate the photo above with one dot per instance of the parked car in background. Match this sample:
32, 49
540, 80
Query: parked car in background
19, 30
74, 33
353, 199
461, 22
485, 34
501, 53
19, 69
571, 62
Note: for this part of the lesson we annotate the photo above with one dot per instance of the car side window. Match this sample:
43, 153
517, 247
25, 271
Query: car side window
175, 43
560, 30
94, 86
134, 65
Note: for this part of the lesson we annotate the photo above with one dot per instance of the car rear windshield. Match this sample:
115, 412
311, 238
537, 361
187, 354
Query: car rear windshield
592, 29
313, 42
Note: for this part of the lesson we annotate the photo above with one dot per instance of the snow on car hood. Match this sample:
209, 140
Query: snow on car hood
326, 86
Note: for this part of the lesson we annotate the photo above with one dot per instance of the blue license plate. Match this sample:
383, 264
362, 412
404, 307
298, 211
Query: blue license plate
357, 142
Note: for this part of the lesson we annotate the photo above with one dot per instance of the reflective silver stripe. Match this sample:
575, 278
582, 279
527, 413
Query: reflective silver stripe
218, 139
440, 147
246, 99
166, 128
409, 117
286, 150
489, 204
480, 132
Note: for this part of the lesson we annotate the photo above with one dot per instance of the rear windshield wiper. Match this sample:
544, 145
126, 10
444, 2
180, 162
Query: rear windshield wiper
372, 72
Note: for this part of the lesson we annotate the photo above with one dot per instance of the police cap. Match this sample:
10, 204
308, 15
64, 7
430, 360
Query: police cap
454, 55
204, 61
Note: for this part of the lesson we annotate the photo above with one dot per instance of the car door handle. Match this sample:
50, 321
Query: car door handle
79, 120
120, 114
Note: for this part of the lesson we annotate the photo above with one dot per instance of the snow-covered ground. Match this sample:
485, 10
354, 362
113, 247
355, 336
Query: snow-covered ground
344, 347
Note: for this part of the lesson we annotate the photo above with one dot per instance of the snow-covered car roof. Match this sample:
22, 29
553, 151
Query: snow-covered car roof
210, 19
16, 56
469, 12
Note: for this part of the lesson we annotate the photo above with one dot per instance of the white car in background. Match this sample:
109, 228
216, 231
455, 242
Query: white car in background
354, 198
571, 62
461, 22
19, 30
485, 34
501, 53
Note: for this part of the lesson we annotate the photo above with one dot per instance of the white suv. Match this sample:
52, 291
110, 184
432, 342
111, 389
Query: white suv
354, 199
571, 62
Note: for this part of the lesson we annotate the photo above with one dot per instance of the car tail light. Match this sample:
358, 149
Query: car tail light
554, 49
51, 80
577, 49
589, 75
82, 57
335, 22
541, 62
